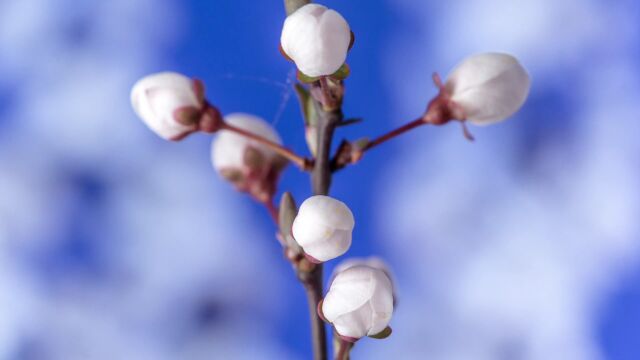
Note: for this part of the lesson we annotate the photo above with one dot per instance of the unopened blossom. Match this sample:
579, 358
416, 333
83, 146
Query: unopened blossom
323, 227
374, 262
487, 88
317, 39
169, 103
359, 302
251, 166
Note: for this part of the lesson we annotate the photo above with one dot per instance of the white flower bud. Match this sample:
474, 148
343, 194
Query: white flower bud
488, 87
323, 227
251, 166
317, 39
374, 262
159, 99
359, 302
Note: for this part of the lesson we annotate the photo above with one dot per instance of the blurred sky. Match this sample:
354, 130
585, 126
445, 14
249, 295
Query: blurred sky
115, 244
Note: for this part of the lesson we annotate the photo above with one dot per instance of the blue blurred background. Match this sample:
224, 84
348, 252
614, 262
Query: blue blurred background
115, 244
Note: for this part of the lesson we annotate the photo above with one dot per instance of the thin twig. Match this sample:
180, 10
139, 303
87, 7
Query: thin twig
321, 182
351, 152
298, 160
392, 134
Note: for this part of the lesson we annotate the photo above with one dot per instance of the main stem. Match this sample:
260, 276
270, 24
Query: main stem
321, 173
320, 182
343, 349
313, 287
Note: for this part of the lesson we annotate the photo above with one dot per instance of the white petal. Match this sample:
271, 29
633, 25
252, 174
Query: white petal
359, 301
373, 261
317, 39
328, 211
355, 324
323, 227
381, 303
156, 97
348, 292
489, 87
307, 231
332, 247
166, 79
299, 28
165, 101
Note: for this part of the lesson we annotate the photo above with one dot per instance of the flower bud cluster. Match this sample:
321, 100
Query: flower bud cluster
483, 89
361, 296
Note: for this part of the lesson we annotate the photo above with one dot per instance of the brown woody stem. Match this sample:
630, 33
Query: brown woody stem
329, 115
350, 153
344, 347
299, 161
321, 172
327, 121
392, 134
312, 282
321, 182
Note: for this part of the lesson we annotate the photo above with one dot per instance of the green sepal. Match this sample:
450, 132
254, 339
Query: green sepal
306, 105
342, 73
287, 213
232, 175
351, 121
306, 79
187, 115
310, 116
253, 158
292, 5
383, 334
361, 143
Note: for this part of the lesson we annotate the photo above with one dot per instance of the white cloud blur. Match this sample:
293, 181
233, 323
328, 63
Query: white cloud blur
172, 267
508, 250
